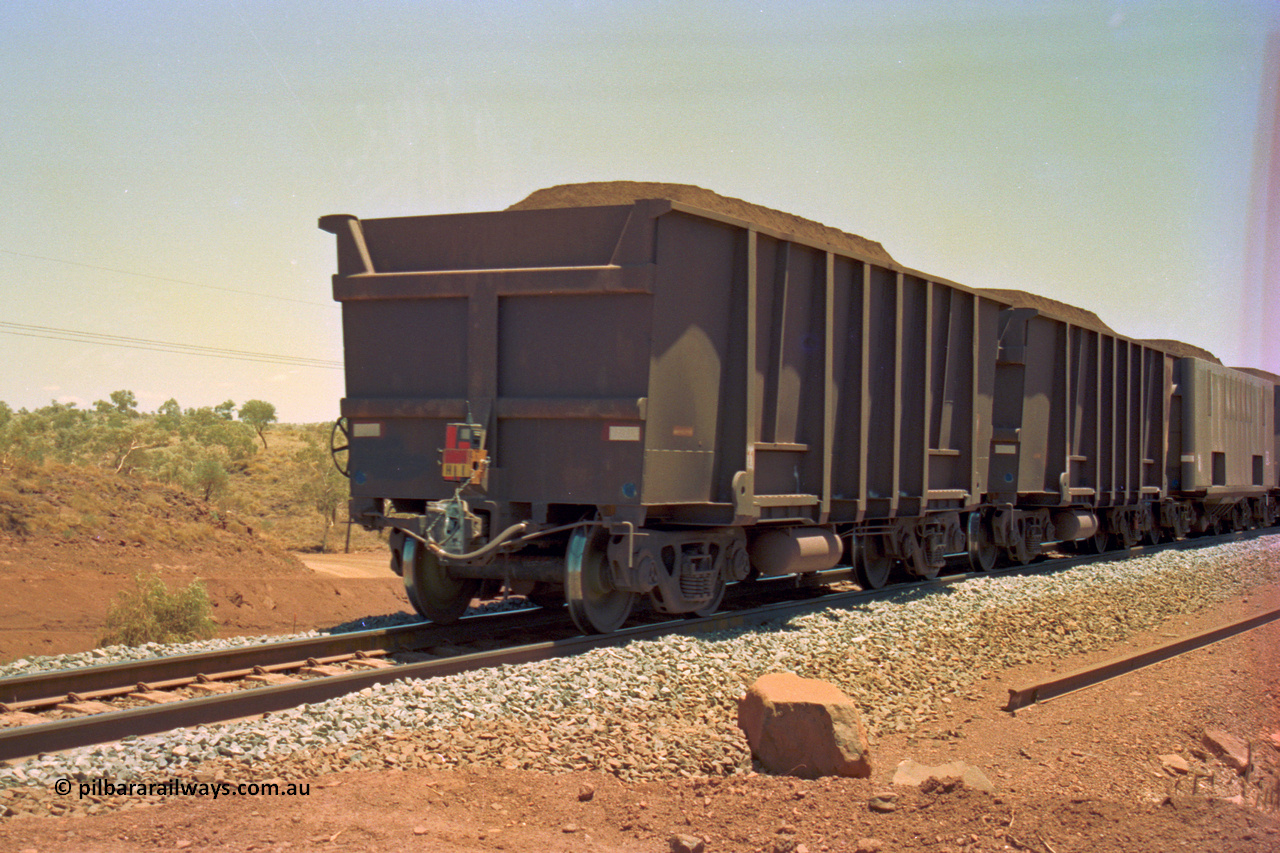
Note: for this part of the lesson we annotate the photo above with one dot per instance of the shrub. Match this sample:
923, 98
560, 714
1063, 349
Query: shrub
150, 613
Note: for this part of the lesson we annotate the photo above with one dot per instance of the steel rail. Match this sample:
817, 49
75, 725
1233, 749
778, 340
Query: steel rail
49, 687
1021, 697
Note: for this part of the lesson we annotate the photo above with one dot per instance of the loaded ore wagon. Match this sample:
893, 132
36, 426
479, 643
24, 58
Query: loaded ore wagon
617, 391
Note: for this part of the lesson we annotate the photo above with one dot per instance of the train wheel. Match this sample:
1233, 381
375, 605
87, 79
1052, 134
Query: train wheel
872, 565
596, 607
982, 551
1099, 542
339, 445
432, 592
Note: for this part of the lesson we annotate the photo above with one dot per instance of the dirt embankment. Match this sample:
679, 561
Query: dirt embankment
73, 539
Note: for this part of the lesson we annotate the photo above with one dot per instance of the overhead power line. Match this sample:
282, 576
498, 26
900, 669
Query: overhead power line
165, 278
74, 335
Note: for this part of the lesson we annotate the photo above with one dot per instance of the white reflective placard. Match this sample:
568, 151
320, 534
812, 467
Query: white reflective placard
624, 432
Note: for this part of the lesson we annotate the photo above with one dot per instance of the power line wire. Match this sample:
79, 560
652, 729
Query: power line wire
77, 336
164, 278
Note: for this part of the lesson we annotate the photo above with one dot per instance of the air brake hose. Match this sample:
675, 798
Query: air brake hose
483, 551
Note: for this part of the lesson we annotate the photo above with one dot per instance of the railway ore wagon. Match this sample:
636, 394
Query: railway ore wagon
1272, 394
1113, 441
629, 396
1226, 476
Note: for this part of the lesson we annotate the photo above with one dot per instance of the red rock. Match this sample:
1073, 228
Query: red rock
804, 727
912, 774
1174, 763
687, 844
1234, 751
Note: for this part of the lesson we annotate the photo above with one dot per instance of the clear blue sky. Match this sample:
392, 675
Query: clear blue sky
155, 156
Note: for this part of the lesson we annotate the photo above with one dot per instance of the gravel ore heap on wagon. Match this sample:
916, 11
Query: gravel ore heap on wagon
601, 193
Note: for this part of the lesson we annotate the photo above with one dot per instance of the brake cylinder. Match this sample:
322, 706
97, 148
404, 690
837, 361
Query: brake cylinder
795, 550
1070, 524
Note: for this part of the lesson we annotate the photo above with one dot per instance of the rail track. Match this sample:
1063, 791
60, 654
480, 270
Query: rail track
337, 665
1030, 694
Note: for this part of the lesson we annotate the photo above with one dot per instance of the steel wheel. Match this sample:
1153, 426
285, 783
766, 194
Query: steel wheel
1100, 541
871, 564
339, 444
982, 551
432, 592
595, 606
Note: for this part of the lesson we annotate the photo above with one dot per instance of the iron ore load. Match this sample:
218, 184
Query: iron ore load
627, 390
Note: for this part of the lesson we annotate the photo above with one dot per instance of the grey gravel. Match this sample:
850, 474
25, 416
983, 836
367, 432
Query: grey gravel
664, 708
149, 651
125, 654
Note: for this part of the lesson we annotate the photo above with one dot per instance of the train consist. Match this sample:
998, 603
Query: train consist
616, 391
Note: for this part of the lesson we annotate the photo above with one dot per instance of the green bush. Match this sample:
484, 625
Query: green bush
150, 613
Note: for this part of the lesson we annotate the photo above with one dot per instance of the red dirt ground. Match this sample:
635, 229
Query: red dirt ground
1080, 773
54, 597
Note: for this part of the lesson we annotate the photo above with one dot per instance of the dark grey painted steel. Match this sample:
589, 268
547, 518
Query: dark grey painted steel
1228, 429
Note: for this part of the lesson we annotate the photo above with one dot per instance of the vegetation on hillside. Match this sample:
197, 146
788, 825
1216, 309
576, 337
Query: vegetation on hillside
150, 613
287, 488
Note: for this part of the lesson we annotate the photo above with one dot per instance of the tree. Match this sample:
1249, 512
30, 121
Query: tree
59, 431
126, 403
258, 414
6, 437
169, 416
320, 485
209, 476
226, 410
209, 426
121, 444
